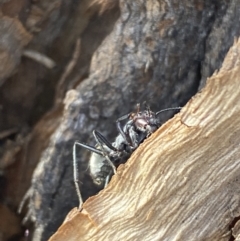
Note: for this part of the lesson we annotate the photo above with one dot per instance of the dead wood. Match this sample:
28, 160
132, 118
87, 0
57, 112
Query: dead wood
183, 182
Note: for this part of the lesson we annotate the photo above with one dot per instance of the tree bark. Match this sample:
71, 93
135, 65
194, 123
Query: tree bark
183, 182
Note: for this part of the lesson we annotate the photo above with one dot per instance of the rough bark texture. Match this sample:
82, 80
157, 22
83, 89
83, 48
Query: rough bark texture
115, 54
182, 183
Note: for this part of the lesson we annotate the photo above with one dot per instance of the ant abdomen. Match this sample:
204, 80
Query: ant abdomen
99, 169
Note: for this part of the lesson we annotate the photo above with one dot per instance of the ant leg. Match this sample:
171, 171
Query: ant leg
128, 138
133, 137
105, 141
100, 143
90, 148
107, 180
76, 176
120, 129
75, 168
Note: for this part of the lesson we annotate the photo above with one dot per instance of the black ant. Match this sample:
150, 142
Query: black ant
107, 156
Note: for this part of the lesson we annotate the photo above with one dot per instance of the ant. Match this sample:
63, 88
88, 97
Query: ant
107, 156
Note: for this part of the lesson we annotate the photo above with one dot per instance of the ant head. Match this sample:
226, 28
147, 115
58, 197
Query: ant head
147, 121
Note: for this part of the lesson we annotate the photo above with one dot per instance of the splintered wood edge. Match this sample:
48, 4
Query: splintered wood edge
182, 183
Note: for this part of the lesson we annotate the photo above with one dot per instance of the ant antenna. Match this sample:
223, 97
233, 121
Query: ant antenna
173, 108
146, 105
138, 107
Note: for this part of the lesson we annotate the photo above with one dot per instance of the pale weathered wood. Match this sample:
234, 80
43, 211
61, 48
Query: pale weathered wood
182, 183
